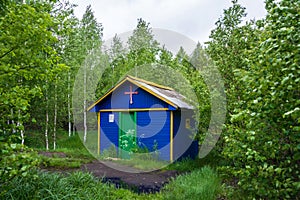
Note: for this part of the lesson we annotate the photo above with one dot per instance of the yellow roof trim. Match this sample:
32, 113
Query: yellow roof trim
154, 94
107, 93
134, 81
150, 83
133, 109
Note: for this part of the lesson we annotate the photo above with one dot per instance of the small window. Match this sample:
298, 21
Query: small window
187, 123
111, 118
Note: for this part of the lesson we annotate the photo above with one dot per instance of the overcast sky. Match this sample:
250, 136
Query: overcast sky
192, 18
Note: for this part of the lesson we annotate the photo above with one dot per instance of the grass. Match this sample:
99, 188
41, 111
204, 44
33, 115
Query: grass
49, 186
62, 163
143, 162
72, 147
200, 184
199, 181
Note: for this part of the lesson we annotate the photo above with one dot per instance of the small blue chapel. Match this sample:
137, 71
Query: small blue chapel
155, 117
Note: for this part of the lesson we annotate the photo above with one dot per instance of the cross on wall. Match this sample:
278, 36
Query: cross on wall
130, 94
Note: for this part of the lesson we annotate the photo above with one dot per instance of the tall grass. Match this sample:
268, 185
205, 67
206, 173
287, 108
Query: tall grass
200, 184
50, 186
72, 145
74, 150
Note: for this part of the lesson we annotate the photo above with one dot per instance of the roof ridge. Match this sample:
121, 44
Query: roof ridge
150, 83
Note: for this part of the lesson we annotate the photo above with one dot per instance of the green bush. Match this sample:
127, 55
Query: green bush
259, 63
262, 141
15, 160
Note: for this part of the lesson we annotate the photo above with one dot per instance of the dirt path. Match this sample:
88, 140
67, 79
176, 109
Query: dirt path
120, 175
145, 182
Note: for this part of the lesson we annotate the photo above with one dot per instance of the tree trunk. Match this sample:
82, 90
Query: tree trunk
69, 104
47, 119
21, 131
46, 129
55, 114
84, 105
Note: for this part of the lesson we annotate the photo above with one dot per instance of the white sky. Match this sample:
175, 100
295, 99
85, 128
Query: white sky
192, 18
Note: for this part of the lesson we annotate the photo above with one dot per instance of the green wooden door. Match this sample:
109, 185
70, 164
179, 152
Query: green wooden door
127, 133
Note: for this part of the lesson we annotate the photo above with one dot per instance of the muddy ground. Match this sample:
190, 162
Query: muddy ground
122, 176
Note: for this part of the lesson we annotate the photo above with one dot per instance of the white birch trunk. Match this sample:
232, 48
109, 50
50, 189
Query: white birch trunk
21, 131
22, 137
55, 115
69, 104
84, 105
47, 121
46, 129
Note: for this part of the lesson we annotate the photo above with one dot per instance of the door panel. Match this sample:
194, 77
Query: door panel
127, 133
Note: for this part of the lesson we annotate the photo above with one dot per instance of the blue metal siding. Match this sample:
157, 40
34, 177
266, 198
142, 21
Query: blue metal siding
184, 145
154, 127
109, 130
118, 100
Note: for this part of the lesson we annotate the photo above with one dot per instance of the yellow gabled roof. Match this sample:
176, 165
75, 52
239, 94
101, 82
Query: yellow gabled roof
147, 86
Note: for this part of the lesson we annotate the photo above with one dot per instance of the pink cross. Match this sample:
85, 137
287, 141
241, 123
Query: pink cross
130, 94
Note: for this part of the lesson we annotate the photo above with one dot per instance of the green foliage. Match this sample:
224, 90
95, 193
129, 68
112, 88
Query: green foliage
15, 160
142, 45
125, 141
261, 139
24, 59
203, 184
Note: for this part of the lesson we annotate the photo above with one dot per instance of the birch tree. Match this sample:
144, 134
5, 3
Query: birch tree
90, 34
27, 58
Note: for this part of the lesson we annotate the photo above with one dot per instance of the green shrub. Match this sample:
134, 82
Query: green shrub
16, 160
261, 142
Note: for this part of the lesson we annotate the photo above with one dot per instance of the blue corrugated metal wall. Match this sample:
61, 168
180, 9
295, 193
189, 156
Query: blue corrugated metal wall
109, 130
119, 100
154, 127
184, 146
